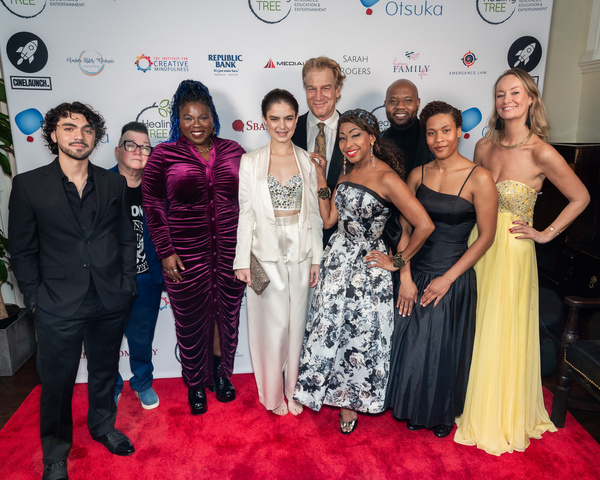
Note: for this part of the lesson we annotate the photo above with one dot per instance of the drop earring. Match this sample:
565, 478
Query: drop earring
344, 166
498, 125
528, 121
372, 156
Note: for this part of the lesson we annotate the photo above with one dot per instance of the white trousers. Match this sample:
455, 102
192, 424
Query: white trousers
277, 319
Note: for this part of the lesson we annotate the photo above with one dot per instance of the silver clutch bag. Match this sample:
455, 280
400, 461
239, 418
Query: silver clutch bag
259, 279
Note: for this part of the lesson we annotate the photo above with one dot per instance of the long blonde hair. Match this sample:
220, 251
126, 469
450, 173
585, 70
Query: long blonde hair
537, 112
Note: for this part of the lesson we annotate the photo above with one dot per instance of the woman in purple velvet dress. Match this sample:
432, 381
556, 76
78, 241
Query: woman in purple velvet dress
190, 199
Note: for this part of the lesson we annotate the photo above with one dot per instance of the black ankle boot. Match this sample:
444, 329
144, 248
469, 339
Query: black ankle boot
197, 399
223, 387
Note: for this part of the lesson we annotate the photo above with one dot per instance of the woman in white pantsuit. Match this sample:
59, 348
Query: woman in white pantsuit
281, 225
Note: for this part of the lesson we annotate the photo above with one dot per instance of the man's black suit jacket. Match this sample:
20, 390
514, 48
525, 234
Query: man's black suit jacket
335, 163
53, 258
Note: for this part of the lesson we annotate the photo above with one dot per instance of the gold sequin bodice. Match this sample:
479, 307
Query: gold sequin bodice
517, 199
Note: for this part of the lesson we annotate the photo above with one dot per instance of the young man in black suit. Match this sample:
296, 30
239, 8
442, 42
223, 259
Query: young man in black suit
73, 254
316, 130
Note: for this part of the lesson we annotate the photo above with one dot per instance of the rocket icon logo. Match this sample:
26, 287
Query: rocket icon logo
27, 52
525, 53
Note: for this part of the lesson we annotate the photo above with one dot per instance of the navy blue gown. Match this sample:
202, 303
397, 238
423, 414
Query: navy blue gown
431, 348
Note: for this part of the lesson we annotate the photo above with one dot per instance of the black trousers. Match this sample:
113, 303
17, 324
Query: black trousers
58, 355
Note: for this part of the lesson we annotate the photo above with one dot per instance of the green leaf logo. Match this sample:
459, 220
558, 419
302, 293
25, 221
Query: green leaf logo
164, 108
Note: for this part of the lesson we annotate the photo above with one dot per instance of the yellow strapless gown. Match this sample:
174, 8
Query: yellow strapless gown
504, 406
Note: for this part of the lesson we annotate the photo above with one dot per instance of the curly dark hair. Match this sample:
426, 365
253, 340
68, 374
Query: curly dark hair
278, 95
65, 110
190, 91
384, 150
438, 107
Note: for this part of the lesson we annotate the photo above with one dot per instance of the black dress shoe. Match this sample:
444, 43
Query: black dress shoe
414, 427
55, 471
224, 389
442, 431
197, 399
116, 442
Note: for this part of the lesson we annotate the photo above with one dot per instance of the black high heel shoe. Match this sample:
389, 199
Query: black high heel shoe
442, 431
197, 399
224, 389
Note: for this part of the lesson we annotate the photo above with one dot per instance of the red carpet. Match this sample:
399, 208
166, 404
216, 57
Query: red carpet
242, 440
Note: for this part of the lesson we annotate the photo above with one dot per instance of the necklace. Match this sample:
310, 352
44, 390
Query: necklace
516, 145
207, 149
80, 190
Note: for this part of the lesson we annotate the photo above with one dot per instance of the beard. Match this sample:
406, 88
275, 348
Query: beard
76, 154
407, 123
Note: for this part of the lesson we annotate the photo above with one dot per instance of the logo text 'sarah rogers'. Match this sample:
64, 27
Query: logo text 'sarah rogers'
225, 61
409, 9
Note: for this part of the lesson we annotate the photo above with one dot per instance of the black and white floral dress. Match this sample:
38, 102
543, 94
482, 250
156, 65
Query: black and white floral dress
346, 350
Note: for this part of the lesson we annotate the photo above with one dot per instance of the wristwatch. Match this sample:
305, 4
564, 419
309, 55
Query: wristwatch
324, 193
398, 261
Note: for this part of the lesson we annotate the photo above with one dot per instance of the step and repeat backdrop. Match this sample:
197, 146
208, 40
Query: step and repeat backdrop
126, 57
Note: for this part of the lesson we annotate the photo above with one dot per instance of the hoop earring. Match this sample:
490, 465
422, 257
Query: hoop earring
528, 121
372, 157
498, 124
344, 165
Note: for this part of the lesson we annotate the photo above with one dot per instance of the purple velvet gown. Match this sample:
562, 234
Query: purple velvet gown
191, 207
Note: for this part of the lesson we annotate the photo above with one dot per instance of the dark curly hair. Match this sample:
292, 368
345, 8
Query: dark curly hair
278, 95
438, 107
65, 110
383, 149
190, 91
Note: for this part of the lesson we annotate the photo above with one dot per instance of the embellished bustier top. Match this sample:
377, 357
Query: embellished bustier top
288, 196
516, 198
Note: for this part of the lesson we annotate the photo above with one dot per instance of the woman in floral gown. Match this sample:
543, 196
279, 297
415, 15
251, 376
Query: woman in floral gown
346, 350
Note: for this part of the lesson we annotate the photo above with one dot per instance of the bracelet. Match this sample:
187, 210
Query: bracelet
324, 193
398, 261
551, 228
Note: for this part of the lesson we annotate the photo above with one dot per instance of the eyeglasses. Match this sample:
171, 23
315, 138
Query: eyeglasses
131, 146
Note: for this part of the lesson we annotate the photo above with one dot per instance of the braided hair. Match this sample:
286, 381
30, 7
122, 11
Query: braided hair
190, 91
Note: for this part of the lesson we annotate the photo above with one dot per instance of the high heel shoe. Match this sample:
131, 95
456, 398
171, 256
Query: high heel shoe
222, 386
224, 389
197, 399
442, 431
347, 427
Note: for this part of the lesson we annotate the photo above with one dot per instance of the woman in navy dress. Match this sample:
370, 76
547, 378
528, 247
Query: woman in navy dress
433, 342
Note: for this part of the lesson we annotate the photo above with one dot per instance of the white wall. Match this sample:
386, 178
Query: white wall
571, 96
588, 130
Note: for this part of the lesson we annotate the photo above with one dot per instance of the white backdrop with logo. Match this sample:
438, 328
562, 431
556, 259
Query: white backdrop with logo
126, 58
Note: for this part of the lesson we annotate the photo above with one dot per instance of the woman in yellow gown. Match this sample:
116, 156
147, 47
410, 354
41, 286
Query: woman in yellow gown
504, 406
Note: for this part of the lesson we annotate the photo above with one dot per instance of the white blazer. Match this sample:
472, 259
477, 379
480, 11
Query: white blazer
257, 231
